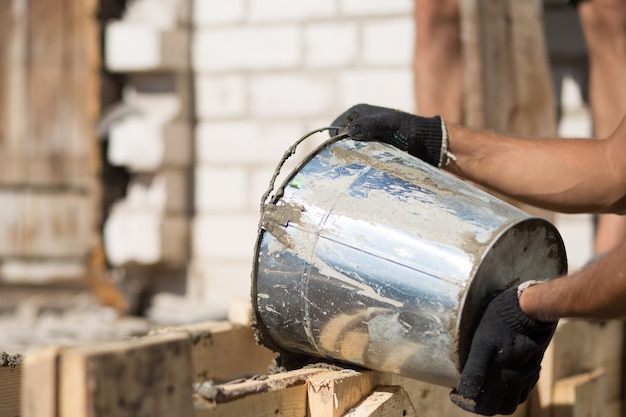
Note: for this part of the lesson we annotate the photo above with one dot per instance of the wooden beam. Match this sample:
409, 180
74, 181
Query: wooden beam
222, 351
40, 383
10, 386
507, 81
580, 395
579, 346
285, 402
146, 376
332, 394
384, 401
279, 394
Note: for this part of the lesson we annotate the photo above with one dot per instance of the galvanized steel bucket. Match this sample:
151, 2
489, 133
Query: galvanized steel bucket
370, 256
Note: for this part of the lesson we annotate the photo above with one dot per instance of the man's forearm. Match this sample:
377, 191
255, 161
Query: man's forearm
596, 291
567, 175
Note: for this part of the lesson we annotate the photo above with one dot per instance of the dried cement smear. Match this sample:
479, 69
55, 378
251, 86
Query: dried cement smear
10, 360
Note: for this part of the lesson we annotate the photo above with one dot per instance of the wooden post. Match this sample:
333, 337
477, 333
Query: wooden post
508, 87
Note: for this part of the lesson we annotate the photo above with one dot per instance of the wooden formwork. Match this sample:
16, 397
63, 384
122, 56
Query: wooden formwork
155, 375
217, 369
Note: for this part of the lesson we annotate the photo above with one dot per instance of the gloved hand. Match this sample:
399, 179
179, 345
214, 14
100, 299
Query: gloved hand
504, 360
422, 137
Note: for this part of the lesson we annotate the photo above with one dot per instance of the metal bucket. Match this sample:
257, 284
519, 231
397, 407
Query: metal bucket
370, 256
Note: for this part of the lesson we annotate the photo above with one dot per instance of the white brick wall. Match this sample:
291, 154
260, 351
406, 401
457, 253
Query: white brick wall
266, 72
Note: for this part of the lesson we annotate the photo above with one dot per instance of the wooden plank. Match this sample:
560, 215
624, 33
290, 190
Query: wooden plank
577, 347
47, 109
384, 401
507, 81
580, 395
433, 400
285, 402
13, 64
334, 393
147, 376
278, 394
10, 385
507, 76
82, 83
40, 383
45, 224
49, 69
222, 351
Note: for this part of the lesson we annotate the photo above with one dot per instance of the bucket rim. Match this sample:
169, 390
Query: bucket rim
464, 330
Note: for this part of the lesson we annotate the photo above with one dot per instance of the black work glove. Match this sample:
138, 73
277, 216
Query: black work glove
504, 359
422, 137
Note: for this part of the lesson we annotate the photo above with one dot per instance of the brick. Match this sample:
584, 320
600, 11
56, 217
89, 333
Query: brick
164, 192
257, 48
145, 237
159, 14
244, 141
284, 95
145, 145
374, 7
221, 189
218, 12
391, 88
132, 47
160, 97
220, 96
229, 236
287, 10
330, 45
231, 280
379, 35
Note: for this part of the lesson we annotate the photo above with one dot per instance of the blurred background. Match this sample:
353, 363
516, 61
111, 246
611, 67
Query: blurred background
138, 136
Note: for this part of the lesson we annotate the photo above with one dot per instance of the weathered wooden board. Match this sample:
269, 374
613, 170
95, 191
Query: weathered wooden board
507, 78
48, 92
507, 81
332, 394
580, 395
40, 383
10, 385
146, 376
384, 401
222, 351
46, 224
577, 347
49, 103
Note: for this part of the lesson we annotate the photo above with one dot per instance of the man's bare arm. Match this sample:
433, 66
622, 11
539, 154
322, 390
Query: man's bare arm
567, 175
596, 291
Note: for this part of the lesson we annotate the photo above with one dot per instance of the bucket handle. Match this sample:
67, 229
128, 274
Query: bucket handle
290, 152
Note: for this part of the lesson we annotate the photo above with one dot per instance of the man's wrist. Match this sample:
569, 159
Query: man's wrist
530, 304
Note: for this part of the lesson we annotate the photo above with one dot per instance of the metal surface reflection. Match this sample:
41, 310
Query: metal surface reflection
370, 256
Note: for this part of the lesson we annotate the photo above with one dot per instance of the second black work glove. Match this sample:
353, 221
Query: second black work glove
422, 137
504, 359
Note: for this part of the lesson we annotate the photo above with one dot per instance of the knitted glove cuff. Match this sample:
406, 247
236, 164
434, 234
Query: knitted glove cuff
426, 141
513, 315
